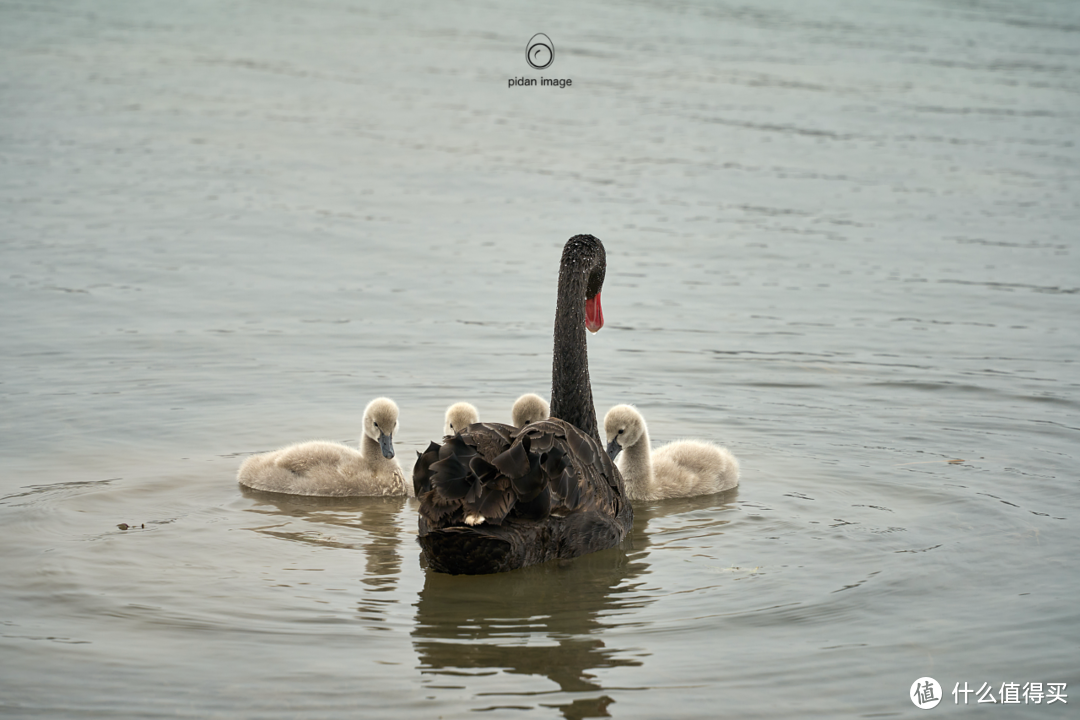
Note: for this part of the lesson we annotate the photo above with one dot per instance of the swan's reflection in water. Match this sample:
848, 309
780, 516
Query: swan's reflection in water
553, 620
557, 620
312, 520
543, 620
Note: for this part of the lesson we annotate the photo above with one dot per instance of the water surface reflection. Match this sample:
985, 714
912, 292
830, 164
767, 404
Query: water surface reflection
559, 621
314, 520
545, 621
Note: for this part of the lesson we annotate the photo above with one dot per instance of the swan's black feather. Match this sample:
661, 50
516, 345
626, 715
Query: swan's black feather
455, 446
488, 438
565, 487
451, 478
581, 448
542, 443
532, 482
497, 501
421, 475
520, 503
554, 460
514, 462
536, 509
485, 472
439, 509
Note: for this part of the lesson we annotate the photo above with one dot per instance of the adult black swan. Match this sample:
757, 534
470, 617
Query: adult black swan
495, 497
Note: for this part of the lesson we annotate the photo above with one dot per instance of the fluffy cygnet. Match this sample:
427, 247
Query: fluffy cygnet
679, 469
529, 408
331, 469
458, 416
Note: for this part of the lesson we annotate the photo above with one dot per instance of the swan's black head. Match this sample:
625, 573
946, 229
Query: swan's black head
585, 253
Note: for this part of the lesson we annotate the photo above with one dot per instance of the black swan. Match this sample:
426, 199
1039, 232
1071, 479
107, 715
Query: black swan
494, 497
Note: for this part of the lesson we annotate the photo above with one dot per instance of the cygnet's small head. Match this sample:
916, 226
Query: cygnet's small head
380, 424
529, 408
623, 426
458, 416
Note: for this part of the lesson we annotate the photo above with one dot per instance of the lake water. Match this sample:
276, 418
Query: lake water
842, 240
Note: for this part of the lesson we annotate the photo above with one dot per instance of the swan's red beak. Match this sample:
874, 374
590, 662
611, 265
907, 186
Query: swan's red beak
594, 314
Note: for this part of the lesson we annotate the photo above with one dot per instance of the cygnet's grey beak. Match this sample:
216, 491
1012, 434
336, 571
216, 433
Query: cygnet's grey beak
613, 448
386, 444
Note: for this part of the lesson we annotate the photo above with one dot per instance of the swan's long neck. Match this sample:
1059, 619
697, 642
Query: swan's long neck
372, 453
637, 467
571, 391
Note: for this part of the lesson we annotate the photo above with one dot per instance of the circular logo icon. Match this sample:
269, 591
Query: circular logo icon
540, 52
925, 693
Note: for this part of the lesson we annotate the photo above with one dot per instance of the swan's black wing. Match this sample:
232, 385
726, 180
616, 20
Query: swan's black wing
494, 497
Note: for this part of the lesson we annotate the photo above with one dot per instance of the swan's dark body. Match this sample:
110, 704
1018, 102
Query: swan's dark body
494, 497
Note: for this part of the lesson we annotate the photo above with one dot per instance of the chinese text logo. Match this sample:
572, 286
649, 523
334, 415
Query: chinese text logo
925, 693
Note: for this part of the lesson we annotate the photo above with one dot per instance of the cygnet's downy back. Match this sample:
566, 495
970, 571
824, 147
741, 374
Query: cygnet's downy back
684, 468
330, 469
